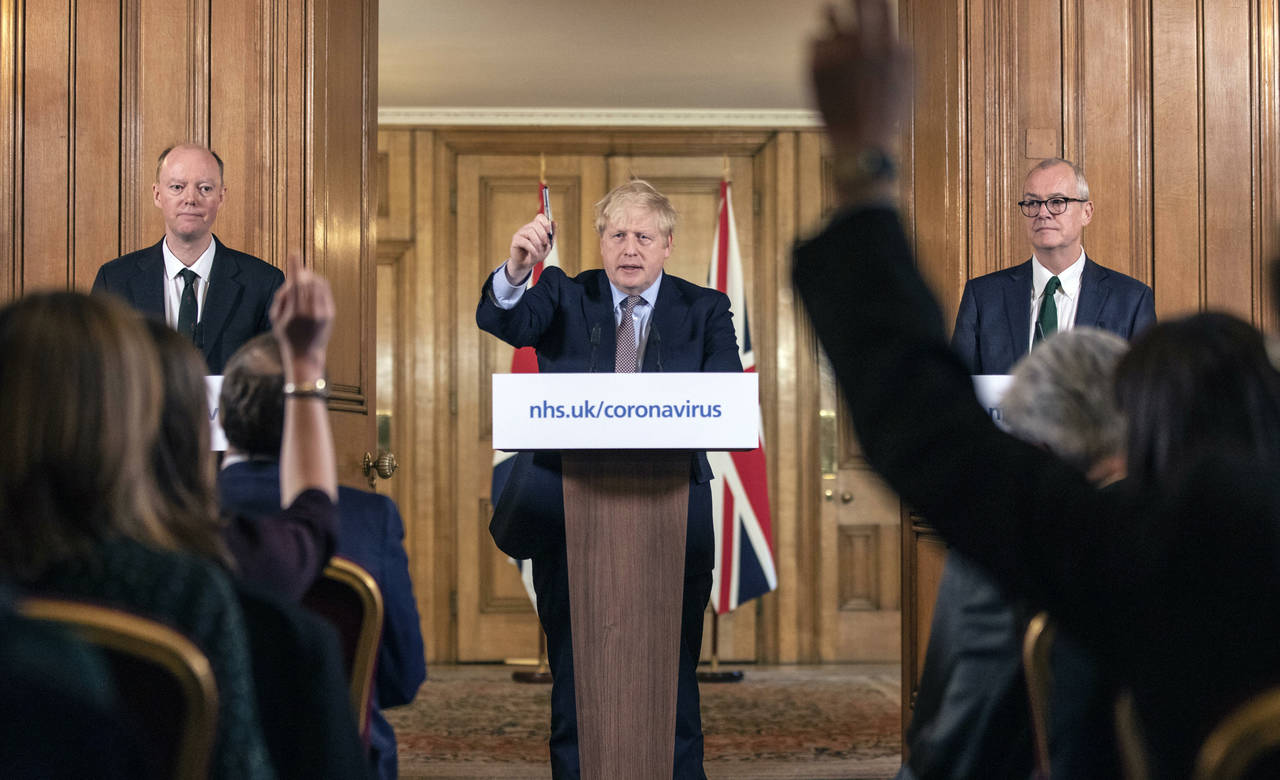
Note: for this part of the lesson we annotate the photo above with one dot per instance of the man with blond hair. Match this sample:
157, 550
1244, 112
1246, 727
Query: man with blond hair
629, 316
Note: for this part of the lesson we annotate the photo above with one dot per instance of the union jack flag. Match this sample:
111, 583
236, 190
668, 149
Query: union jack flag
740, 491
524, 361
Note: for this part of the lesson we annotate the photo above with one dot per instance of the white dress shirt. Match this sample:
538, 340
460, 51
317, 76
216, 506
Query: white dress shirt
1067, 298
174, 285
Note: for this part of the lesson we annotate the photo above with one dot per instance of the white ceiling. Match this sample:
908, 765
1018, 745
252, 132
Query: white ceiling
609, 55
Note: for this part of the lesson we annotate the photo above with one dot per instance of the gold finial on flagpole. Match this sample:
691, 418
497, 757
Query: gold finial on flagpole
542, 168
725, 173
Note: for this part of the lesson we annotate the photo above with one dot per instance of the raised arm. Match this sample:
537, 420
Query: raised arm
302, 319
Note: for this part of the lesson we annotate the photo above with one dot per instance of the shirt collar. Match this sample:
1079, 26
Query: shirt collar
1069, 278
202, 266
650, 295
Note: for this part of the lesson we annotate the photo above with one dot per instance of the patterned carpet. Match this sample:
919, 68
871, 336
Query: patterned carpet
816, 722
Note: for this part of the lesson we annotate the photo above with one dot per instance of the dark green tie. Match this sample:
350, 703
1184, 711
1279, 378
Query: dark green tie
187, 308
1047, 322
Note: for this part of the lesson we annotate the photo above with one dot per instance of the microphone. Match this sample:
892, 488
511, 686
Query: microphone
595, 342
656, 339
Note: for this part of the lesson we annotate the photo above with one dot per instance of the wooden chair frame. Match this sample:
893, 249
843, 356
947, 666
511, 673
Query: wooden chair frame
1037, 647
1249, 733
355, 577
119, 631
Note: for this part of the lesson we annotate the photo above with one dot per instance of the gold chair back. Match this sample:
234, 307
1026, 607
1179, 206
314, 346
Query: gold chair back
349, 598
1037, 646
1247, 735
148, 660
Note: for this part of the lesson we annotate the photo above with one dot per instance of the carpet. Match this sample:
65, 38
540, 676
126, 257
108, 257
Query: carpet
819, 722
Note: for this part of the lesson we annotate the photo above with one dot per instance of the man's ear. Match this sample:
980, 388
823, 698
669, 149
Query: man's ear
1086, 209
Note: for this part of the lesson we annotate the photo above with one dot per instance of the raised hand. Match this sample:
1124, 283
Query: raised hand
529, 246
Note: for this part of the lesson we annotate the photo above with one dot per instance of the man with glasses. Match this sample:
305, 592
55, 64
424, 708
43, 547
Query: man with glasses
1005, 313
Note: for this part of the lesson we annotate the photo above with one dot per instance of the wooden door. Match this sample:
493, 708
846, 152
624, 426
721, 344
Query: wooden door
857, 539
496, 194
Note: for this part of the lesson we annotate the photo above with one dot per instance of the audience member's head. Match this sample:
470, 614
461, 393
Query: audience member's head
1062, 397
252, 399
1197, 385
82, 390
182, 463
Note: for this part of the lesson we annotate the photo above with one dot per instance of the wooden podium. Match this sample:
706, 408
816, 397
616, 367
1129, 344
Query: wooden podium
626, 515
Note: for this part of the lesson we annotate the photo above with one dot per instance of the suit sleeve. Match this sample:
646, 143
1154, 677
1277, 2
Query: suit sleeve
964, 339
276, 280
720, 345
523, 324
1144, 315
401, 658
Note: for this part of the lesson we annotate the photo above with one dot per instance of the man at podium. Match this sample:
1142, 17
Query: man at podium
628, 317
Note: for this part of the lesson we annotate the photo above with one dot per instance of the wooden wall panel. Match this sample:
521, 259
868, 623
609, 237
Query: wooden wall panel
45, 149
95, 202
91, 93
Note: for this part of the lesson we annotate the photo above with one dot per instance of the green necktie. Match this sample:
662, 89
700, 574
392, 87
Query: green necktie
1047, 322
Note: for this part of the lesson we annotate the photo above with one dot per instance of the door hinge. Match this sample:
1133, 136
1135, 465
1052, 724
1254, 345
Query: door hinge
453, 403
453, 201
755, 202
453, 603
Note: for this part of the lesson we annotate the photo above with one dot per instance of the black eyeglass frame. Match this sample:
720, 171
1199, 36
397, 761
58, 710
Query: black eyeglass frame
1035, 205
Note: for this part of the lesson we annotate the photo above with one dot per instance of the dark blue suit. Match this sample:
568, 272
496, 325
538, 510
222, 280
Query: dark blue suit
993, 324
236, 307
571, 324
371, 534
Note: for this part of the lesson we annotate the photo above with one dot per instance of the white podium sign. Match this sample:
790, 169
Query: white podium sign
990, 389
217, 439
645, 411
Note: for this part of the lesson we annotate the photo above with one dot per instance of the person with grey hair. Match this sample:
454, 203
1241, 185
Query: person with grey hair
1004, 313
627, 317
971, 715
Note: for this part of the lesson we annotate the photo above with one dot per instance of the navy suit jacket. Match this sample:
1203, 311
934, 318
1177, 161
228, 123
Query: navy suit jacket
371, 533
236, 307
993, 324
570, 322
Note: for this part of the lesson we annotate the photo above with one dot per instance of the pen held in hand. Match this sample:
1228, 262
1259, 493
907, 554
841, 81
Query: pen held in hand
546, 211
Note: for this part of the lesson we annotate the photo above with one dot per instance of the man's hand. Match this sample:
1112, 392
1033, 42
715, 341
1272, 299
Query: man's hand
861, 83
529, 246
302, 315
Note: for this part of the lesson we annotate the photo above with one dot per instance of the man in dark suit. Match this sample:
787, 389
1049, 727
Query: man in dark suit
628, 317
370, 529
1002, 314
1173, 588
212, 294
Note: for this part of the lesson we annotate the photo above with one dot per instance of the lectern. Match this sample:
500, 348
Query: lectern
627, 442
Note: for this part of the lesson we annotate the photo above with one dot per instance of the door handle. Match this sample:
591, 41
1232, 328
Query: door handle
382, 466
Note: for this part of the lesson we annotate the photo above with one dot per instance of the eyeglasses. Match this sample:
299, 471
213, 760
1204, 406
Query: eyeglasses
1031, 207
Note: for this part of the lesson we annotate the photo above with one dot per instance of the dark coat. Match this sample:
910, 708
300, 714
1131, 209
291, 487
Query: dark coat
236, 307
993, 324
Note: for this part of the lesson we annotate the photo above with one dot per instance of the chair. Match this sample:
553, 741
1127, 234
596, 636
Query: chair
1037, 645
166, 684
348, 597
1245, 738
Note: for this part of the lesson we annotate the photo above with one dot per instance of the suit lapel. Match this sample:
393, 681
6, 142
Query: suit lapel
1093, 294
670, 310
224, 293
597, 312
1017, 304
146, 286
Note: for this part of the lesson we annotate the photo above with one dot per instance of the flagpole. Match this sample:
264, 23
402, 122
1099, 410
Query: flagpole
715, 674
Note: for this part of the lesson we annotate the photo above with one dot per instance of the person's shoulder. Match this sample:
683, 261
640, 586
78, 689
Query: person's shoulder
355, 505
247, 263
130, 262
692, 289
1013, 273
1115, 278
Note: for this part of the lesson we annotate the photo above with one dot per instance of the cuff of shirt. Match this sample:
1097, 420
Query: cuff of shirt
505, 294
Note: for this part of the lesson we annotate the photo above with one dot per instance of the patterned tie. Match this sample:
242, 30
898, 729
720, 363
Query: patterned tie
187, 309
628, 357
1047, 322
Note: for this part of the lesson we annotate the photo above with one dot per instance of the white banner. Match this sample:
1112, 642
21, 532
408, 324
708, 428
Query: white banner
642, 411
217, 439
990, 389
